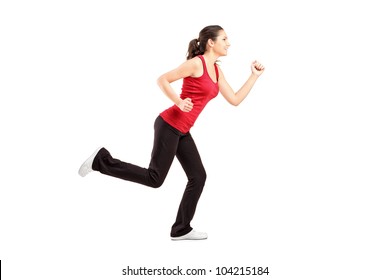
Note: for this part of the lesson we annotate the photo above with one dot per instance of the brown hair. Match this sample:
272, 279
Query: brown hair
198, 46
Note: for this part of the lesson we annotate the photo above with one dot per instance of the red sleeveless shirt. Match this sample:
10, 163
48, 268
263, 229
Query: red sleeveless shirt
201, 90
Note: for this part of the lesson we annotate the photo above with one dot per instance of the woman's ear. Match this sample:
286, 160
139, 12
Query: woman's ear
210, 43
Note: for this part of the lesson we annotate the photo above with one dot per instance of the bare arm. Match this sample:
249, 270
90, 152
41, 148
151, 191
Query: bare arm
236, 98
188, 68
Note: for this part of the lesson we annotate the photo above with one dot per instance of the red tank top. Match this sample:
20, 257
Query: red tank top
201, 90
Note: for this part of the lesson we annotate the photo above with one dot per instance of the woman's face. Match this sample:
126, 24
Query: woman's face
221, 44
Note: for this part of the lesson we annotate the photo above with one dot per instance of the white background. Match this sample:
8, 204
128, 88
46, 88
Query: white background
297, 174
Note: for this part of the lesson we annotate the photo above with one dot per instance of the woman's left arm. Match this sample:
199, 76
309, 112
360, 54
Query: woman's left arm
236, 98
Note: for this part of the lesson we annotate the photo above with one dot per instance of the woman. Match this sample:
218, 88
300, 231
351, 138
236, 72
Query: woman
202, 80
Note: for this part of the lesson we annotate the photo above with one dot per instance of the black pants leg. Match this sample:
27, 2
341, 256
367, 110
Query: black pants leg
166, 139
168, 142
190, 160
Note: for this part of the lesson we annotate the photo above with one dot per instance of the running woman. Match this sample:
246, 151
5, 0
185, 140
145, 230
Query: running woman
202, 79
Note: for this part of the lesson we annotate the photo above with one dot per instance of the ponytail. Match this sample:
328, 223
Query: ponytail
193, 49
198, 46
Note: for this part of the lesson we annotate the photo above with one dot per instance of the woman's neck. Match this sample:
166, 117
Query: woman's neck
210, 57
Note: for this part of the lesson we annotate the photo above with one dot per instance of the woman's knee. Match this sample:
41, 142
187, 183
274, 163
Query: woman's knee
200, 178
157, 183
156, 179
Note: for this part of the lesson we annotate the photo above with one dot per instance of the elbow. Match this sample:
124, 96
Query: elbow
160, 81
234, 102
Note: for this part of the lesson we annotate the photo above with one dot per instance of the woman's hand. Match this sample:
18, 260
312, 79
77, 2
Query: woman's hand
186, 105
257, 68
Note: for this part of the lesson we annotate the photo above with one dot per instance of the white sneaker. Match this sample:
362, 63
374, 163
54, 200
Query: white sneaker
192, 235
86, 167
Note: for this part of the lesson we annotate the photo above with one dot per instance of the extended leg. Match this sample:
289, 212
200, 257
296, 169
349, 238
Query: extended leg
189, 157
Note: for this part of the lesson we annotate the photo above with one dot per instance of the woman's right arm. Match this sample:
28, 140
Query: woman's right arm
188, 68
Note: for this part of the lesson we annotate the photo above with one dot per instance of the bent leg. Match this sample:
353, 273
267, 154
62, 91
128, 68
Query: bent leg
189, 158
165, 144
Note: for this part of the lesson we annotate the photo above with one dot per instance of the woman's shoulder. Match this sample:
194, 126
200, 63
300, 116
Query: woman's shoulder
197, 60
191, 67
194, 63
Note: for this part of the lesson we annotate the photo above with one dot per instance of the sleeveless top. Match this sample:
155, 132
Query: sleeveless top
201, 90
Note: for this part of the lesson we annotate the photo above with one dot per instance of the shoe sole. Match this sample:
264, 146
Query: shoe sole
183, 239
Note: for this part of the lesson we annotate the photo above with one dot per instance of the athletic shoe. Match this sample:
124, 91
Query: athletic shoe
86, 167
192, 235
